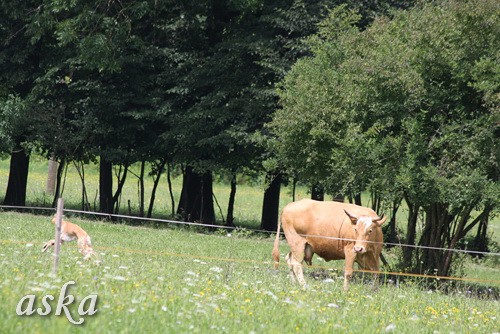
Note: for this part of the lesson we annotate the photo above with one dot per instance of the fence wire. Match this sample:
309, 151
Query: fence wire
238, 260
231, 228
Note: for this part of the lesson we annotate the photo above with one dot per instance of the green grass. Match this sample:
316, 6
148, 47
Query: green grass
177, 281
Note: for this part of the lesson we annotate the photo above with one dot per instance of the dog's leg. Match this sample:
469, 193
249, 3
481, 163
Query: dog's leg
48, 244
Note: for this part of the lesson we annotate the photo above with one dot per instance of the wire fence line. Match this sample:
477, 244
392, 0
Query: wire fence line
231, 228
270, 263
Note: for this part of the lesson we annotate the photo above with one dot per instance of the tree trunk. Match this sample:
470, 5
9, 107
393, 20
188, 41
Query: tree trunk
196, 202
376, 201
317, 193
57, 193
105, 186
357, 199
190, 190
141, 189
18, 178
207, 212
50, 186
230, 206
270, 207
156, 181
170, 189
410, 235
480, 242
391, 235
339, 198
80, 168
119, 188
445, 264
436, 229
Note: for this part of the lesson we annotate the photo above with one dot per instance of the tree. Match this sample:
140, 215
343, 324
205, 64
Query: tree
105, 90
270, 206
21, 58
398, 108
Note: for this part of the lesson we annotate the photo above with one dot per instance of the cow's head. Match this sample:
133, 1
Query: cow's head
364, 228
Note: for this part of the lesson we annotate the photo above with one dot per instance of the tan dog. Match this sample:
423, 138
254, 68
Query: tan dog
70, 232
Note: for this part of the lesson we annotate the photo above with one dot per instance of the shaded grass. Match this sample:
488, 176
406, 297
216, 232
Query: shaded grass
176, 281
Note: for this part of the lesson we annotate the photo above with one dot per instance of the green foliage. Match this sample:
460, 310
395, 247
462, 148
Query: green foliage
12, 120
408, 106
187, 82
402, 77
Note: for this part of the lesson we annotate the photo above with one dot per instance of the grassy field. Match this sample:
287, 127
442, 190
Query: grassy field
175, 280
178, 281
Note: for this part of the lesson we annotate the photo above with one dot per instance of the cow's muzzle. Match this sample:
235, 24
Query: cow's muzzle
359, 249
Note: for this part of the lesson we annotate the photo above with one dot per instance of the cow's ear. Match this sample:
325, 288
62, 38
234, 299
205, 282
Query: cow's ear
380, 220
354, 219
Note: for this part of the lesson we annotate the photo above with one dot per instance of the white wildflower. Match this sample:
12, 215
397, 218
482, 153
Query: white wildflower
390, 328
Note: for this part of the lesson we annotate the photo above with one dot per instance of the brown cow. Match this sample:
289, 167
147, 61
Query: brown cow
317, 227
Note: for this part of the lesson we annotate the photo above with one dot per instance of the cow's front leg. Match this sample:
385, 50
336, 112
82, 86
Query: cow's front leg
370, 261
350, 257
374, 265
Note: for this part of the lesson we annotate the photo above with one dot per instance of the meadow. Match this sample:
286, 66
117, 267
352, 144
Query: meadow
174, 279
179, 281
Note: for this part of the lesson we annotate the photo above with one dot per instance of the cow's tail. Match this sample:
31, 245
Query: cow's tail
276, 251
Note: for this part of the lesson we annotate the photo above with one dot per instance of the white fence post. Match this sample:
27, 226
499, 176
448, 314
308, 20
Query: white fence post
57, 246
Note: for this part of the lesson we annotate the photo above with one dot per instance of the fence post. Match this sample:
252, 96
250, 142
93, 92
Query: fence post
57, 246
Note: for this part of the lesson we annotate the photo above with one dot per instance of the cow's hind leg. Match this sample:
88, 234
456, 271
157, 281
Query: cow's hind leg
288, 259
295, 269
296, 256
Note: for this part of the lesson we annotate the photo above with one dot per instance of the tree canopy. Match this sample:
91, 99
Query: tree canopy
371, 96
403, 108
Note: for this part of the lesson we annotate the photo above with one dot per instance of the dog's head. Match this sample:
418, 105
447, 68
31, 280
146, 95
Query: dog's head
55, 217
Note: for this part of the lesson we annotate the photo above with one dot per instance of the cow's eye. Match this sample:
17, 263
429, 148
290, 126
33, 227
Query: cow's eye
371, 230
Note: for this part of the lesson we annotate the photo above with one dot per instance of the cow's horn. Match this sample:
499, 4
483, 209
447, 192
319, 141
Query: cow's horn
350, 216
380, 219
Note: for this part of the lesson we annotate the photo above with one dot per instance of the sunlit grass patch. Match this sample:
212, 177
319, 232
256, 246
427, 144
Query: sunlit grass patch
177, 281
